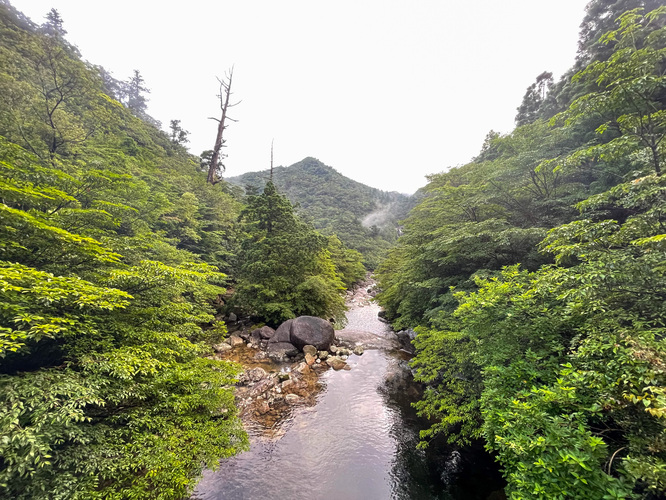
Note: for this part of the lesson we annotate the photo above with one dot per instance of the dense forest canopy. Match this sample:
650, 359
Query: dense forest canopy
115, 252
534, 276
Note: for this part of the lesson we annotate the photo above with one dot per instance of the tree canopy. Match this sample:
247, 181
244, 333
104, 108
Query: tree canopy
534, 278
114, 252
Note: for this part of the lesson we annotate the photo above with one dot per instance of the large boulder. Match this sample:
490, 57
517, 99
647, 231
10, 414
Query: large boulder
305, 330
308, 330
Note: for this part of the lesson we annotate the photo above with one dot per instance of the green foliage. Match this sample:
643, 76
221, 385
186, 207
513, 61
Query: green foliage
110, 243
285, 268
453, 385
630, 96
542, 326
363, 218
348, 263
571, 358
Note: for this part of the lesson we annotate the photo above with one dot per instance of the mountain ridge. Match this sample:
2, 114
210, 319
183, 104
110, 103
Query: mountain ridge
365, 218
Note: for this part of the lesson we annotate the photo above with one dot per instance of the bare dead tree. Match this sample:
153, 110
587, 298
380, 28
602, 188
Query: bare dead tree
271, 178
216, 166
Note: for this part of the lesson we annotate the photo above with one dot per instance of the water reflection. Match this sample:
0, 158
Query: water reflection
357, 442
342, 448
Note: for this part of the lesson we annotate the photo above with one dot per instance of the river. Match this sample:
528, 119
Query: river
357, 442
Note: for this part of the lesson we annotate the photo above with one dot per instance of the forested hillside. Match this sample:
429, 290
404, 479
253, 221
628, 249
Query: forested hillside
535, 276
364, 218
114, 251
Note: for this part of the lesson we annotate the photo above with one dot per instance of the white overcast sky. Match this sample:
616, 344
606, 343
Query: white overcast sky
384, 91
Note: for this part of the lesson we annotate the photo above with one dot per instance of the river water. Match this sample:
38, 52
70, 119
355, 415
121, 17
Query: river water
357, 442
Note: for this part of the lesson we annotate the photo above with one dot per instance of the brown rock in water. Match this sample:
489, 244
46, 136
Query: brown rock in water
303, 368
336, 363
292, 398
310, 349
287, 384
235, 340
320, 368
262, 407
310, 359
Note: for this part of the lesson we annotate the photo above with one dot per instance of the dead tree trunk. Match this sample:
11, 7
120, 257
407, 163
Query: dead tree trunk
271, 178
216, 166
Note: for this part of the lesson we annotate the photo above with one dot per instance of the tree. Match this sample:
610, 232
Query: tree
100, 358
178, 133
216, 167
54, 25
601, 17
630, 100
529, 109
133, 94
562, 369
106, 321
285, 269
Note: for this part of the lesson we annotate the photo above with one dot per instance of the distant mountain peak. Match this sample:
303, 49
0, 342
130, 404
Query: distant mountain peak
363, 217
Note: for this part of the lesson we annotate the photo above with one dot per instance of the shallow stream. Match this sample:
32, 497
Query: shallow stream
357, 442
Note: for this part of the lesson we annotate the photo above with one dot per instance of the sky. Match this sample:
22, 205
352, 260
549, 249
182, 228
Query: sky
384, 91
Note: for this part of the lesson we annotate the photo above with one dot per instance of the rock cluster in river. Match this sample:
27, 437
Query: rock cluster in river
302, 348
294, 334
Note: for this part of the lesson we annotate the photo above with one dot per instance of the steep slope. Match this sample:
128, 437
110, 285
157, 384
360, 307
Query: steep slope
110, 242
535, 278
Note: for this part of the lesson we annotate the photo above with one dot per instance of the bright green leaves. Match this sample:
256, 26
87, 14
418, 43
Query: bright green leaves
26, 231
93, 371
39, 410
451, 398
37, 305
629, 101
572, 387
104, 388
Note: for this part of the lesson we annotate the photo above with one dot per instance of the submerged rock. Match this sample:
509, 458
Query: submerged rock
280, 351
262, 407
336, 363
292, 398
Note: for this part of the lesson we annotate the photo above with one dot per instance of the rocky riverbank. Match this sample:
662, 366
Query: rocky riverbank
281, 368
